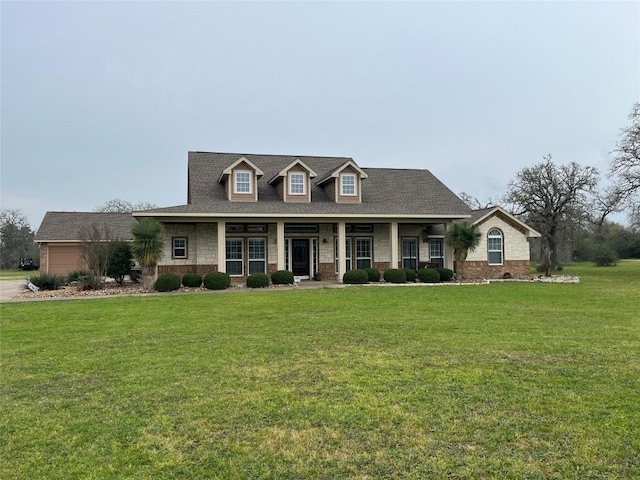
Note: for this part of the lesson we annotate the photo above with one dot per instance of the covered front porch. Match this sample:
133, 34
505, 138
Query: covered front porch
323, 250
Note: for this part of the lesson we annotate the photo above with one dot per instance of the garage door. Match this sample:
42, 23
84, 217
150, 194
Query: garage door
64, 259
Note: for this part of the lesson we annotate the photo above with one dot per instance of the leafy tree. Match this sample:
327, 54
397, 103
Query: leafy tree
16, 239
147, 248
122, 206
552, 198
120, 261
463, 238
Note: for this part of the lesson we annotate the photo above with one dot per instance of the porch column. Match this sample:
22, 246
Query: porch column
280, 245
393, 243
222, 250
447, 250
342, 250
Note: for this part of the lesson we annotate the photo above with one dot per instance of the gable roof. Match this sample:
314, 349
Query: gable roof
229, 169
336, 172
481, 215
284, 171
392, 192
67, 226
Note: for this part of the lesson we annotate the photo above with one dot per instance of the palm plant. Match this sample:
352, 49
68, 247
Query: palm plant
147, 248
463, 238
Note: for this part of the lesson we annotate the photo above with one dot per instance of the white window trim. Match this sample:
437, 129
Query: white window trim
304, 183
442, 251
355, 245
263, 259
489, 250
415, 240
235, 182
241, 259
173, 248
355, 185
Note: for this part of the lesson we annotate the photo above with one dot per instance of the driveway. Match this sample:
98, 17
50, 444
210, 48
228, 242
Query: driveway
10, 288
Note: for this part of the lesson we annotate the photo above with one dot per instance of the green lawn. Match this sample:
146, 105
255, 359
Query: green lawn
17, 274
509, 380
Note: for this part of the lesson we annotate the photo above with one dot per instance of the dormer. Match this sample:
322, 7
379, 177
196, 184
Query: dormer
293, 182
344, 185
241, 181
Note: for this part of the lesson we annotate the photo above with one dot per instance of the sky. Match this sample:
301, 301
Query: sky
103, 100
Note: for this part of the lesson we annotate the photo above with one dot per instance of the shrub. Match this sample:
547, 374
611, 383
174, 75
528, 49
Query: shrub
167, 282
217, 281
258, 280
282, 277
355, 277
91, 281
48, 281
373, 273
395, 275
410, 273
429, 275
191, 280
119, 261
604, 256
446, 274
77, 275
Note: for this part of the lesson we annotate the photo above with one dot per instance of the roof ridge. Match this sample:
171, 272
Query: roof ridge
269, 154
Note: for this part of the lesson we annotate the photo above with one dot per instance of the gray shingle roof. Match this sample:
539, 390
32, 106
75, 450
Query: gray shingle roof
387, 191
67, 226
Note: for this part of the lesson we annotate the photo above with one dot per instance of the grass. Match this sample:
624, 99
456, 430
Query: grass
510, 380
17, 274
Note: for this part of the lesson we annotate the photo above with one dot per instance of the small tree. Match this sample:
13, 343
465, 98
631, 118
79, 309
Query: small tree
120, 261
96, 250
463, 238
147, 248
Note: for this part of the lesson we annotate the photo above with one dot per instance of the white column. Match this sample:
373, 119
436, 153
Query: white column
342, 249
393, 242
280, 245
222, 250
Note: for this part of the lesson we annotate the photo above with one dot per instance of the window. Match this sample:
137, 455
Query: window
436, 252
179, 249
494, 246
410, 253
297, 183
347, 184
243, 181
363, 253
234, 256
256, 248
349, 251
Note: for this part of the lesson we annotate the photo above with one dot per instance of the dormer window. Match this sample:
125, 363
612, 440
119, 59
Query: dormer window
347, 184
242, 181
297, 183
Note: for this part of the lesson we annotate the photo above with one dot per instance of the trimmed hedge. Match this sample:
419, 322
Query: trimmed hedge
355, 277
191, 280
429, 275
395, 275
373, 273
216, 281
446, 274
167, 282
282, 277
258, 280
411, 274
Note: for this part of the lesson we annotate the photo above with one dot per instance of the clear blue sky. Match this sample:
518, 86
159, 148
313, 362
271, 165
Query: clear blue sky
104, 100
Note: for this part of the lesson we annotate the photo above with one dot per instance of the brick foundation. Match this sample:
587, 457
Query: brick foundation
182, 269
481, 270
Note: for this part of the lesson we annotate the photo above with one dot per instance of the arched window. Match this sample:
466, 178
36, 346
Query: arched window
495, 246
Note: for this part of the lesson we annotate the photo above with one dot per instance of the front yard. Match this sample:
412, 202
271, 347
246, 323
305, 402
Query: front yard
512, 380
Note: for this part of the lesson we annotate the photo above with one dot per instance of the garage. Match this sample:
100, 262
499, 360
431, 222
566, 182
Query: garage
62, 259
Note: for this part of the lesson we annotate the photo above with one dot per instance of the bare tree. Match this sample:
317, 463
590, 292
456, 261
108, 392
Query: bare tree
123, 206
475, 204
96, 252
625, 166
604, 203
551, 196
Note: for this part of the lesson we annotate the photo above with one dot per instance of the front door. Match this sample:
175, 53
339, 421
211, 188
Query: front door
300, 257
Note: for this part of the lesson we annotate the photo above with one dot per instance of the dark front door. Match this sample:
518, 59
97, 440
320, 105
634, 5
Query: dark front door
300, 248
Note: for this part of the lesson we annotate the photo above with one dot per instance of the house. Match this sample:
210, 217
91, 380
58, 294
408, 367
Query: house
61, 235
504, 247
314, 216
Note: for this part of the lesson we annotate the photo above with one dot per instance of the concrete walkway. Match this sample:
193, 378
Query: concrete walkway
10, 288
